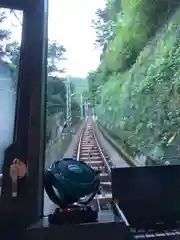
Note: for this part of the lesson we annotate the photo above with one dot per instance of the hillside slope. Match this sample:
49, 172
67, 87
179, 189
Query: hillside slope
140, 102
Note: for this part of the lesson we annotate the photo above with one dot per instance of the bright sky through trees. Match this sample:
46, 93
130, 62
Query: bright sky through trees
70, 25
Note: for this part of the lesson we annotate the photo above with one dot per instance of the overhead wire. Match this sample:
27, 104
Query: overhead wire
16, 16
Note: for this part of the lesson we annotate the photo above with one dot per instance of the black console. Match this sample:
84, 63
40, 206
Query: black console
74, 214
149, 198
146, 203
42, 230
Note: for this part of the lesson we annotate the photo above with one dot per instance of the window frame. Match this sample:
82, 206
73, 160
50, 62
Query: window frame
30, 118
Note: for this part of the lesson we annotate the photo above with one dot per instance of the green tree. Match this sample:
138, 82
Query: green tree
104, 28
55, 55
56, 95
13, 53
4, 34
56, 89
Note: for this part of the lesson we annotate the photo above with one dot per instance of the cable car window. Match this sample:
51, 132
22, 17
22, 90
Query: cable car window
10, 40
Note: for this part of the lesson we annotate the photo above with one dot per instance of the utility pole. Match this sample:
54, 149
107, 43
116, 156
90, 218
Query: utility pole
82, 115
68, 104
85, 109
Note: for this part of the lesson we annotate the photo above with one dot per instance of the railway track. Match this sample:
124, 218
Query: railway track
89, 151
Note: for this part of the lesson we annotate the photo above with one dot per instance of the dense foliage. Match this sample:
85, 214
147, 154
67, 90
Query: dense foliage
138, 77
56, 98
4, 33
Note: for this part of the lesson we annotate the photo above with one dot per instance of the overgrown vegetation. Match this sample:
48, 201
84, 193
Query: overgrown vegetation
138, 77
